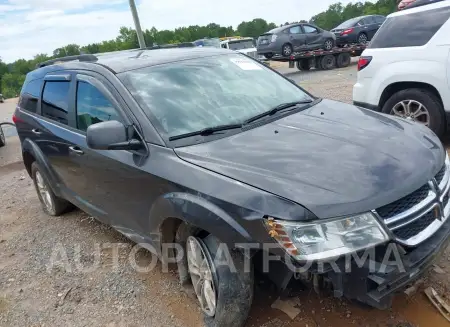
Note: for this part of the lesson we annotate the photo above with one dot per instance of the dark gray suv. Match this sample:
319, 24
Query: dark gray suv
216, 153
286, 40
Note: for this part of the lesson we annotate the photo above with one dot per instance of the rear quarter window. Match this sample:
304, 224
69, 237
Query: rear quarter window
30, 95
410, 30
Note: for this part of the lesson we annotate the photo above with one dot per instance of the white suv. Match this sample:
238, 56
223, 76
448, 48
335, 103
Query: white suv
405, 71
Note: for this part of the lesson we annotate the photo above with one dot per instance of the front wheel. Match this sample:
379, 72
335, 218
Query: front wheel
417, 105
218, 276
328, 44
287, 50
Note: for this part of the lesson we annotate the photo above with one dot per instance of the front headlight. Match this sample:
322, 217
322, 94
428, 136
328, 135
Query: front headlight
274, 38
327, 239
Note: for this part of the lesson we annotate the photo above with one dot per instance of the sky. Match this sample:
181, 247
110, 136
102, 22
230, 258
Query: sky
29, 27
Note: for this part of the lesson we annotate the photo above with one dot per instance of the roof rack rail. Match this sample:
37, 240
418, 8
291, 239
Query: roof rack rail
82, 57
171, 46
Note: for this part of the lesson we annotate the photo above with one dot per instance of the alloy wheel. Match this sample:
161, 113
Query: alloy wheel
362, 38
44, 191
287, 50
328, 45
412, 110
201, 275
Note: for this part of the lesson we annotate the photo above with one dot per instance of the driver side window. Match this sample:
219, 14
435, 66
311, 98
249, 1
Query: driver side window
92, 107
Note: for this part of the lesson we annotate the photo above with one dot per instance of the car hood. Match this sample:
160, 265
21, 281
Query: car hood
334, 159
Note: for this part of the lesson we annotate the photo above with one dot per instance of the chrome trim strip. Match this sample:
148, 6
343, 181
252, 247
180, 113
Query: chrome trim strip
425, 234
414, 218
445, 179
421, 205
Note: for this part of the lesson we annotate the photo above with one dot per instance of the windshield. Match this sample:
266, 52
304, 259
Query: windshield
239, 45
190, 95
349, 23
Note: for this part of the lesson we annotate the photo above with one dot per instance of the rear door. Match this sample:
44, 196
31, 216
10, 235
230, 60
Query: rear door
297, 38
314, 37
372, 26
51, 131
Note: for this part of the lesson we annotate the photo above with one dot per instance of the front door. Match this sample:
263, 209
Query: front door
108, 184
297, 38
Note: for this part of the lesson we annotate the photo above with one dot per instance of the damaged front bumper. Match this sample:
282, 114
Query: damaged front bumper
375, 282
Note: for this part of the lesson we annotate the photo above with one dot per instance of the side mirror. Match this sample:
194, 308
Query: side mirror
110, 135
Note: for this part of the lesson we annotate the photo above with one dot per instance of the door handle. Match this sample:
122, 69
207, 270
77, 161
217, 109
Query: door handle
36, 131
76, 150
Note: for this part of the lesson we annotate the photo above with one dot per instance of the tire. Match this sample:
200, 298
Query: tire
362, 38
328, 44
437, 120
303, 64
328, 62
287, 50
343, 60
234, 289
58, 205
268, 55
2, 138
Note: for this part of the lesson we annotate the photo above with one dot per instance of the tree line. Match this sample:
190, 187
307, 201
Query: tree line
12, 75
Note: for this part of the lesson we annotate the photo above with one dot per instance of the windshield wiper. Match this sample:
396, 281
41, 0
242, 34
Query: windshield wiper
288, 105
206, 131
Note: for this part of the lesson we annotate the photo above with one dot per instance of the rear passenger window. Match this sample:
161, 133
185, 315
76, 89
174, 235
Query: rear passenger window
410, 30
30, 95
55, 101
93, 107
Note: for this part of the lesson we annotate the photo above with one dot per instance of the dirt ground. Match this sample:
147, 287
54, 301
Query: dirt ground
34, 291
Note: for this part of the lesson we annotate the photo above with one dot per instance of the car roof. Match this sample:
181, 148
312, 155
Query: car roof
425, 7
126, 60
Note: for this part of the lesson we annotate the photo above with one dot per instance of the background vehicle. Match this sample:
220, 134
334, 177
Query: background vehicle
292, 38
407, 4
358, 30
405, 71
208, 42
1, 98
244, 45
321, 59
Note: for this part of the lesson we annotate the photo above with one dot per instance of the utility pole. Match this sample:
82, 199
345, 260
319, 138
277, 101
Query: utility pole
137, 24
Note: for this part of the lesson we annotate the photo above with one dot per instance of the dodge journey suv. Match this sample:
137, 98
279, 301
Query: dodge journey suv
214, 152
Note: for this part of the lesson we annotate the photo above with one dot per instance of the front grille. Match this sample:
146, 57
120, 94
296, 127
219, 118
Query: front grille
409, 217
417, 226
440, 175
392, 209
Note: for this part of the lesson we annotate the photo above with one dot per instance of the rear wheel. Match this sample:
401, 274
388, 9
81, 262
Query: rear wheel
218, 278
286, 50
52, 205
343, 60
417, 105
2, 138
303, 64
362, 38
328, 62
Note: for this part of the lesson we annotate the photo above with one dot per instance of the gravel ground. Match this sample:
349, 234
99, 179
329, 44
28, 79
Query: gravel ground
42, 283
